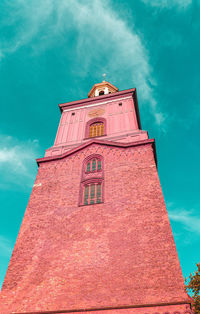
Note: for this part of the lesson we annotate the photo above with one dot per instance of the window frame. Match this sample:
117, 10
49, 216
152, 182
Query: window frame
93, 177
89, 183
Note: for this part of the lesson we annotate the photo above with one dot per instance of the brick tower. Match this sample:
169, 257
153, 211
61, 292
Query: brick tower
96, 237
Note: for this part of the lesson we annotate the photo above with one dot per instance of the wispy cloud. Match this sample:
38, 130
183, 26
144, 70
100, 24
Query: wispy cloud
5, 247
181, 4
189, 220
104, 41
17, 164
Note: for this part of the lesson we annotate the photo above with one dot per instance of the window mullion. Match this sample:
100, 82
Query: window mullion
89, 194
94, 165
95, 193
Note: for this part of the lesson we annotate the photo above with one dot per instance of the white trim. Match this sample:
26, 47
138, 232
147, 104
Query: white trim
93, 105
38, 184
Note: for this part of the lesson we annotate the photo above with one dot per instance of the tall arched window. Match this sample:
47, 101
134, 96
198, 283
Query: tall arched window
95, 127
92, 193
92, 180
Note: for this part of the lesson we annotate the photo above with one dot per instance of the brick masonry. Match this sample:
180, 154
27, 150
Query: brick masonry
120, 253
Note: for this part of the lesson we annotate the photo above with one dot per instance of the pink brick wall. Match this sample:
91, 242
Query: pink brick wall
119, 253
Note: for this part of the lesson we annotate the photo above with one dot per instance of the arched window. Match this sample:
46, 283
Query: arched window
101, 93
95, 127
93, 165
92, 180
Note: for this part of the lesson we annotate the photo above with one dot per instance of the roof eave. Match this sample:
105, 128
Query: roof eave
94, 99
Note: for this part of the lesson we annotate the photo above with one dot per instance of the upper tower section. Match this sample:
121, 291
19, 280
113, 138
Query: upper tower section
107, 115
103, 88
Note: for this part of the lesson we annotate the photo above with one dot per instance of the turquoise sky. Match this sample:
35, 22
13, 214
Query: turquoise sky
53, 51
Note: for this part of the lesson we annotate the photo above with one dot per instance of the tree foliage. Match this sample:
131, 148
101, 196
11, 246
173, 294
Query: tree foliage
193, 288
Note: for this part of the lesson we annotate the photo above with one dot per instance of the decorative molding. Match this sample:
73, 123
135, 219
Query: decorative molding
96, 112
98, 104
100, 142
122, 307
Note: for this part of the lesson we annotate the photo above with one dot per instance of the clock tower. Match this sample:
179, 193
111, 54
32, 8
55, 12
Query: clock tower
96, 236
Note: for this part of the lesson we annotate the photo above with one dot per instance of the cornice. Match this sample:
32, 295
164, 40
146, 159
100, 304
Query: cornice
93, 100
100, 142
120, 307
102, 102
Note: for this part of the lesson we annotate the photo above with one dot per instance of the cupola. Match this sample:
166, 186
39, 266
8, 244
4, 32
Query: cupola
103, 88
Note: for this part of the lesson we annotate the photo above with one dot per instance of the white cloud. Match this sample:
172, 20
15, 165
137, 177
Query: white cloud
188, 219
160, 117
104, 41
5, 247
169, 3
17, 163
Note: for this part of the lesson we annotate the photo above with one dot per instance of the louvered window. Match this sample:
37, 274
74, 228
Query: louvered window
96, 129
